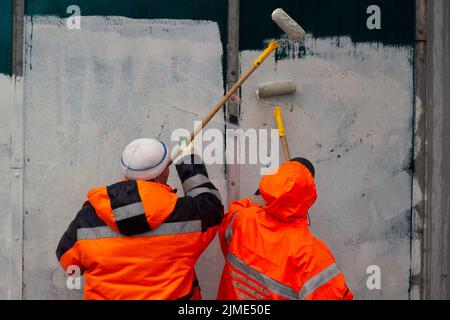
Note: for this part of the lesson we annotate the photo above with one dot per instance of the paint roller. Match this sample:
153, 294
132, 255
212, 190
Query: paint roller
273, 89
291, 28
288, 25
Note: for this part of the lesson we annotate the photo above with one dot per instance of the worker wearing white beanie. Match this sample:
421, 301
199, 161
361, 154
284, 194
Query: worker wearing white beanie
144, 159
141, 234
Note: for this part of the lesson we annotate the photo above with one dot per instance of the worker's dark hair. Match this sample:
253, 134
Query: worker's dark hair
304, 162
307, 164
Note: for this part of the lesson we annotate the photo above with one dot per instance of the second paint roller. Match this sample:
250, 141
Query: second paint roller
273, 89
291, 28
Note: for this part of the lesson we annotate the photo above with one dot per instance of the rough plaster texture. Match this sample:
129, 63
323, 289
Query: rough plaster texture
352, 117
5, 217
88, 93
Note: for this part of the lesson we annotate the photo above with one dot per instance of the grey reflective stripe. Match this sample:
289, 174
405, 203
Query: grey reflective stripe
176, 228
164, 229
96, 233
198, 191
258, 200
272, 285
247, 291
319, 280
195, 181
249, 283
129, 211
244, 296
229, 231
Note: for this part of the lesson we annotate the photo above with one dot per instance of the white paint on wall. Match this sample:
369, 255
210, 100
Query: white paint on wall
5, 174
89, 92
352, 117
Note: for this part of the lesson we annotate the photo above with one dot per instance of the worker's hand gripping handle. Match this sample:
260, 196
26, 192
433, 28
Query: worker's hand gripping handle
273, 45
183, 148
279, 120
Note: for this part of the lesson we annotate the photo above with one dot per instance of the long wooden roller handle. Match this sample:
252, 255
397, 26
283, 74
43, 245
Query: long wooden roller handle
282, 131
273, 45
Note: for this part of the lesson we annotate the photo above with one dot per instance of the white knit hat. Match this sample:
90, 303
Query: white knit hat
144, 159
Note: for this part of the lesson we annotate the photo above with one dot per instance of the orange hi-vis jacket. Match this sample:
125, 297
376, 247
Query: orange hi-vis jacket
270, 252
137, 240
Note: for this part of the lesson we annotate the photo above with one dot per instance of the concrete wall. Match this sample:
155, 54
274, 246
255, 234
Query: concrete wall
88, 94
352, 118
148, 68
6, 99
5, 174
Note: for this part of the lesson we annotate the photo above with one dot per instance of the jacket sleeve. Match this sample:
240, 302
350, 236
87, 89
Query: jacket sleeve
334, 289
202, 200
68, 252
227, 225
325, 281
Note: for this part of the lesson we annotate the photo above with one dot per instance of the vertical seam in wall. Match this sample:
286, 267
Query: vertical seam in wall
426, 264
412, 272
428, 247
232, 110
416, 285
446, 133
17, 152
443, 245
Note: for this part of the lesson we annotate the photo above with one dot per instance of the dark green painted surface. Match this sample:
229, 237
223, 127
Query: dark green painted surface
212, 10
6, 36
325, 18
322, 18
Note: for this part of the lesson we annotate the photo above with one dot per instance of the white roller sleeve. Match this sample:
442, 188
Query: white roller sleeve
271, 89
288, 25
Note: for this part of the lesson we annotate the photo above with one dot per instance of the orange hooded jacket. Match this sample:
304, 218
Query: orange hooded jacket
137, 240
270, 252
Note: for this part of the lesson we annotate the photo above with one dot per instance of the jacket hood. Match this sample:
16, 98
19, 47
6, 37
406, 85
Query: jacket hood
155, 201
290, 192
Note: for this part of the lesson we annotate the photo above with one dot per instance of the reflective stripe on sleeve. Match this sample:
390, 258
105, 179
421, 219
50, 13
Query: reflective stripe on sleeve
194, 182
319, 280
229, 231
164, 229
249, 283
258, 200
129, 211
246, 290
272, 285
198, 191
244, 296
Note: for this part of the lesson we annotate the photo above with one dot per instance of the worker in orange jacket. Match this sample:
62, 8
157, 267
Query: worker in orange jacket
136, 239
270, 252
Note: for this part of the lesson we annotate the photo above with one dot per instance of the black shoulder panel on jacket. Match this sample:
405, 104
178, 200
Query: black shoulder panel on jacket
205, 207
86, 218
123, 193
134, 225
